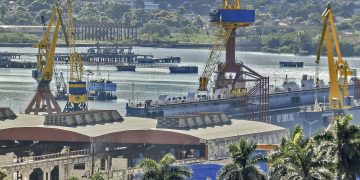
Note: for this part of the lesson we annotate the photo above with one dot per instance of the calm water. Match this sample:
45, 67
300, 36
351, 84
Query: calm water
17, 86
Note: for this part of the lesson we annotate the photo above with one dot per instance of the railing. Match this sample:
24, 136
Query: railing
33, 159
134, 170
311, 108
189, 161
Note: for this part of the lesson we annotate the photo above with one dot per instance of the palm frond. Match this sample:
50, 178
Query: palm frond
148, 164
168, 159
229, 171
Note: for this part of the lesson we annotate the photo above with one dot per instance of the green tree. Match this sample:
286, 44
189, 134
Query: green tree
165, 169
38, 5
344, 140
2, 174
139, 4
97, 176
74, 178
297, 158
181, 11
155, 29
198, 22
273, 42
115, 10
244, 163
345, 25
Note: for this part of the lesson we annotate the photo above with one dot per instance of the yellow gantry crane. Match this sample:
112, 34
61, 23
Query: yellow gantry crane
227, 24
339, 70
44, 101
77, 88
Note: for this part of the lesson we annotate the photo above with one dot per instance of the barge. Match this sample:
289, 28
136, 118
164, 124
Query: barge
184, 69
293, 64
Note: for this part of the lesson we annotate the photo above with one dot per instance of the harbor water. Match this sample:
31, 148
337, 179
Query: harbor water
17, 86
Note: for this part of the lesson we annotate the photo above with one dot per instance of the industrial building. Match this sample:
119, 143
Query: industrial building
204, 136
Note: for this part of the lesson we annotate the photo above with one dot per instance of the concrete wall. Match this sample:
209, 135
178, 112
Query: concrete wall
218, 148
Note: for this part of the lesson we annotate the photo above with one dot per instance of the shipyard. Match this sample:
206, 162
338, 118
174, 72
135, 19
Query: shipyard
193, 90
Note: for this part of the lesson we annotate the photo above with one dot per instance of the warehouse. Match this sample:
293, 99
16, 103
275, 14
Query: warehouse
204, 136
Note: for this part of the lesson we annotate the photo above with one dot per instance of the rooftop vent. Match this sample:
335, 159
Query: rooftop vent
83, 118
201, 120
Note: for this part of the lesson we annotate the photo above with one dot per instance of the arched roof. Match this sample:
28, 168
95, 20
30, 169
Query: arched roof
41, 134
148, 136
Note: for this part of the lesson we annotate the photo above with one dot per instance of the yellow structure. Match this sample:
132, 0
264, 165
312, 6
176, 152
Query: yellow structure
44, 101
338, 70
77, 88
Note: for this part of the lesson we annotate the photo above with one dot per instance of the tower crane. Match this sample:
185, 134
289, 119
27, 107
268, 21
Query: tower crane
339, 70
77, 88
44, 101
227, 20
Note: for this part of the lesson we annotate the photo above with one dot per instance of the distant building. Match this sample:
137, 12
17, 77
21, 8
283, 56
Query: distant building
150, 5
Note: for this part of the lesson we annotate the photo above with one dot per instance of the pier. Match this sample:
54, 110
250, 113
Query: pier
118, 56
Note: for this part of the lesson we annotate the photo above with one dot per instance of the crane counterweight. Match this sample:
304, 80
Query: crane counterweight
77, 88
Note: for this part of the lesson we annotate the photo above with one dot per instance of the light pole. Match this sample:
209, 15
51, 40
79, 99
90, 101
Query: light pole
310, 124
137, 97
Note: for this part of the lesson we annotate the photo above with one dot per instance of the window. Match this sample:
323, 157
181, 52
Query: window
80, 166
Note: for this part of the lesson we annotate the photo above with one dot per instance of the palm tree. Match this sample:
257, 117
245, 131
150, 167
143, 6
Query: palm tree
165, 169
343, 140
244, 165
297, 158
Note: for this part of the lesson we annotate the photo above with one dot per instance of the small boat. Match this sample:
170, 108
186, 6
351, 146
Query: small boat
101, 90
296, 64
183, 69
126, 68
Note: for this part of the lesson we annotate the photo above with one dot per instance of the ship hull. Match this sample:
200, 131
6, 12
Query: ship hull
316, 121
283, 107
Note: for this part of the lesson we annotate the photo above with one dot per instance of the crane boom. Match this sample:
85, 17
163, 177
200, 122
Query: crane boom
339, 70
44, 101
215, 54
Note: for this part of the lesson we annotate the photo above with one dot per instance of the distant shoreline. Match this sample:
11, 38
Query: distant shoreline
175, 46
178, 45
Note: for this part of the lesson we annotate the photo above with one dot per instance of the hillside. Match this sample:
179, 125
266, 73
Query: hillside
282, 25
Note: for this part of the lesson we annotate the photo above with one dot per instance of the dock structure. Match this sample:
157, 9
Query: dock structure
117, 56
109, 55
104, 31
11, 55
